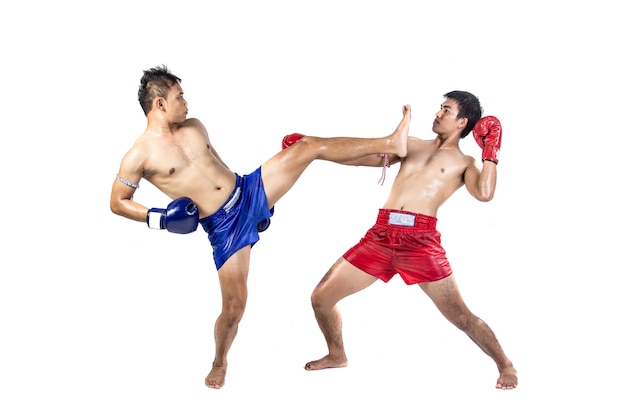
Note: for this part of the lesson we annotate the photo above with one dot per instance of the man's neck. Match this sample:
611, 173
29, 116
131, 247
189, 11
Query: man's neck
451, 141
160, 127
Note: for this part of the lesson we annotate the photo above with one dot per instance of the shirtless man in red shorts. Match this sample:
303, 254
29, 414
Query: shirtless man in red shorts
405, 239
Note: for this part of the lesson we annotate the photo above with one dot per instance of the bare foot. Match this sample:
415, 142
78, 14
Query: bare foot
508, 379
400, 136
326, 362
215, 379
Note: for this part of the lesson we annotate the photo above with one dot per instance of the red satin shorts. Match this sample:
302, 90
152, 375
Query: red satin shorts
402, 243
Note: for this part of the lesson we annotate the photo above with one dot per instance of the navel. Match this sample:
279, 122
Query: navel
172, 170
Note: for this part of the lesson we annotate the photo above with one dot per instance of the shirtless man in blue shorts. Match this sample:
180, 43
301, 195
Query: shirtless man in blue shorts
404, 239
175, 154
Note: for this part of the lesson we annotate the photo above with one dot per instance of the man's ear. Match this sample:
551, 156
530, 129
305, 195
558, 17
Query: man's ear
462, 123
159, 103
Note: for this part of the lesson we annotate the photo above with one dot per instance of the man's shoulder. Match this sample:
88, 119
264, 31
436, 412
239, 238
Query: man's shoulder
192, 122
139, 150
417, 142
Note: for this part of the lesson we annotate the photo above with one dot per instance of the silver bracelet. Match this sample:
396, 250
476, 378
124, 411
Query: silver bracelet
126, 182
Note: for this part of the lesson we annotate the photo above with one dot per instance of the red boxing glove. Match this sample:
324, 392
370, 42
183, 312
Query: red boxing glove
488, 135
291, 139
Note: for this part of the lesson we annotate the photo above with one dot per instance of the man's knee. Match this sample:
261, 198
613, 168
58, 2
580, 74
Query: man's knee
310, 144
232, 311
317, 299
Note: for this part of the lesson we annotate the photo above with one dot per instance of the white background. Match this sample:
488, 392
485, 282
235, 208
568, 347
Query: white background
100, 316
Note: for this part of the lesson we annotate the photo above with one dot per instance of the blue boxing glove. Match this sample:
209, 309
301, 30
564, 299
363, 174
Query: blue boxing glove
180, 216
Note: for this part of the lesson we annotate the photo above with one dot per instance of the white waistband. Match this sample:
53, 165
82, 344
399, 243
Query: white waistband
233, 200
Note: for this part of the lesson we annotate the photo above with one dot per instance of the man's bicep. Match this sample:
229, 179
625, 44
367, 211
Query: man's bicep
126, 180
131, 169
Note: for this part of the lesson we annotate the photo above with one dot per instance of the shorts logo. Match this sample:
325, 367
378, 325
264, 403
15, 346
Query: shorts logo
402, 219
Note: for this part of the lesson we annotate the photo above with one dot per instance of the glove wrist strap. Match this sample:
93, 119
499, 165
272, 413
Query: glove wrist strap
490, 153
155, 219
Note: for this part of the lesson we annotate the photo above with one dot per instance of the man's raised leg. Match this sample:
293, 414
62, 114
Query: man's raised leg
344, 149
282, 171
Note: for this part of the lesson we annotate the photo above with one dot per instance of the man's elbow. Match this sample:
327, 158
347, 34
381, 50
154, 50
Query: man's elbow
485, 195
115, 207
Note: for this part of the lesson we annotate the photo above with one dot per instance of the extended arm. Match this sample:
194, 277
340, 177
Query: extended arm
373, 160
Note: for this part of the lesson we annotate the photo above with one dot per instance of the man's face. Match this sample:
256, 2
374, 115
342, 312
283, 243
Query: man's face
446, 122
176, 104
